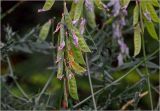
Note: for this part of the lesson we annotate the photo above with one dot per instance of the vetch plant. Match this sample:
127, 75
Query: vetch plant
71, 44
93, 38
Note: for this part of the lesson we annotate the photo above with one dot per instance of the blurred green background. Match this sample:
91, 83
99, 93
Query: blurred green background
33, 70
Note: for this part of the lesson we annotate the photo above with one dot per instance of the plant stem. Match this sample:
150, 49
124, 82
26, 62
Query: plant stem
51, 76
141, 62
65, 92
144, 55
11, 9
12, 75
90, 83
45, 87
147, 72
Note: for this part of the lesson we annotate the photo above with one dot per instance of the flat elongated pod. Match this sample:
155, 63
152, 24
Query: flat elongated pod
44, 30
89, 13
151, 30
60, 51
72, 86
48, 4
78, 55
78, 9
135, 15
152, 12
137, 40
74, 65
155, 3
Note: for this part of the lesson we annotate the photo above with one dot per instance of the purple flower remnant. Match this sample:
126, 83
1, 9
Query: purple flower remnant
89, 5
60, 77
116, 6
74, 22
66, 34
70, 75
120, 59
122, 21
75, 39
58, 59
57, 28
117, 27
124, 12
105, 7
82, 26
41, 10
147, 15
116, 30
61, 46
123, 47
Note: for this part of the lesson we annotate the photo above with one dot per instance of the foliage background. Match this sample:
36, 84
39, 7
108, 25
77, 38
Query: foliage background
33, 63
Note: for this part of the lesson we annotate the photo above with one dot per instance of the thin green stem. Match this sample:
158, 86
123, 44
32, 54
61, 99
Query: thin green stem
49, 79
11, 9
90, 83
12, 75
45, 87
114, 82
147, 72
52, 28
144, 55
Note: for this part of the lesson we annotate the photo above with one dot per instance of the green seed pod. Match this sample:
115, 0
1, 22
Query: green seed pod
60, 51
78, 10
89, 13
135, 15
44, 31
48, 4
72, 86
151, 30
137, 40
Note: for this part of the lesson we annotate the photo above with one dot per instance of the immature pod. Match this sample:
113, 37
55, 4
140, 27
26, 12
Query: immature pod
68, 19
135, 15
155, 3
72, 11
81, 42
60, 51
137, 40
148, 7
149, 16
77, 68
48, 4
44, 31
151, 30
152, 12
78, 9
89, 13
73, 65
77, 54
72, 86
